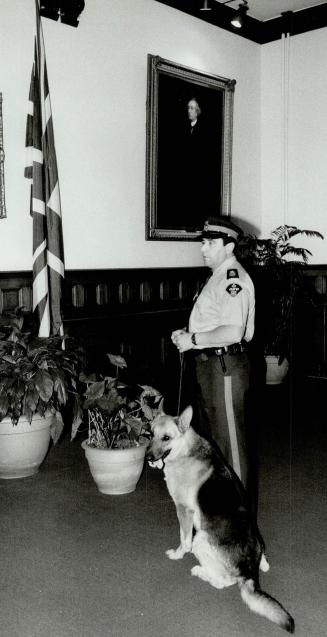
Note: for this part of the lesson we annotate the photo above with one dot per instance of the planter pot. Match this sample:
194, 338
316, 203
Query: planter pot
275, 373
115, 471
24, 446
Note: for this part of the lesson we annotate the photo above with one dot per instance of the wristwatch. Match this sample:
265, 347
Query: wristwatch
193, 339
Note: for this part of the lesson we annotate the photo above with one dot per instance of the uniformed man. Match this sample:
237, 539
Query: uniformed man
220, 326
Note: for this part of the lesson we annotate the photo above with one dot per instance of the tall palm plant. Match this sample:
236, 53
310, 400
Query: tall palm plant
281, 246
277, 268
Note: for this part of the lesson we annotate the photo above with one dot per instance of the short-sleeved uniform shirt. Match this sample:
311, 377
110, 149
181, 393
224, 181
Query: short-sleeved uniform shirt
226, 299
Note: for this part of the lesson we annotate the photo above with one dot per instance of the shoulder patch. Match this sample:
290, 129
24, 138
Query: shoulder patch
232, 274
233, 289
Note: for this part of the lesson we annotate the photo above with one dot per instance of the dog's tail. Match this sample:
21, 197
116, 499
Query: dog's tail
260, 602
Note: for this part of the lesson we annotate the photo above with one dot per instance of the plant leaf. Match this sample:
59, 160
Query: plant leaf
149, 391
135, 424
31, 399
150, 407
148, 412
56, 426
44, 384
60, 390
4, 404
77, 417
85, 378
117, 360
95, 390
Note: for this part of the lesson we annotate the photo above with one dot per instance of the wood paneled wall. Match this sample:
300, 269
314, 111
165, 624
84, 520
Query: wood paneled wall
133, 312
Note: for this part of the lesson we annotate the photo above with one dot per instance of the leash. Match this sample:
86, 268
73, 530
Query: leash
181, 362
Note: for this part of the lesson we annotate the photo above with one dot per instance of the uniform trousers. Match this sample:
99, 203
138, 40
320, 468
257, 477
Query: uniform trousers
222, 405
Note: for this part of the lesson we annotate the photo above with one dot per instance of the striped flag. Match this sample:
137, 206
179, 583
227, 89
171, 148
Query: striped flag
41, 169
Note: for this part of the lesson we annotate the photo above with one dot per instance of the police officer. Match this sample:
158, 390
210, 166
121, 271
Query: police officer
220, 326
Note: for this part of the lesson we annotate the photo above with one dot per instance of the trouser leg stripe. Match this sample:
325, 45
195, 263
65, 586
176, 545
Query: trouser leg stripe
231, 425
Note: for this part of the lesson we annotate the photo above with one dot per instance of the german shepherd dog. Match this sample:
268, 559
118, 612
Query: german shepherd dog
212, 510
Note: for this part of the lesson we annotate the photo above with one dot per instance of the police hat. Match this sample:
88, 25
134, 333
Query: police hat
220, 227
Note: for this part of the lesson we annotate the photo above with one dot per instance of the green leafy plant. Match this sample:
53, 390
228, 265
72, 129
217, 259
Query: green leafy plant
37, 375
277, 268
119, 414
277, 249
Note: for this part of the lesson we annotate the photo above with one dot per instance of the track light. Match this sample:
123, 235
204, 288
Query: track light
66, 11
205, 6
237, 20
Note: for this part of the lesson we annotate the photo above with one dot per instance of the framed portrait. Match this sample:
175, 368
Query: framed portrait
188, 150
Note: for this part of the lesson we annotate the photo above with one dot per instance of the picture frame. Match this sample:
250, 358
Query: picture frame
189, 122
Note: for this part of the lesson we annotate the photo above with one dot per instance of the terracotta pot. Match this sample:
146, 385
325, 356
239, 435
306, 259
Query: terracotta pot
115, 471
24, 446
275, 373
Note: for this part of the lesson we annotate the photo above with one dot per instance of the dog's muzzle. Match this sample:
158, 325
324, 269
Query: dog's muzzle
156, 462
152, 458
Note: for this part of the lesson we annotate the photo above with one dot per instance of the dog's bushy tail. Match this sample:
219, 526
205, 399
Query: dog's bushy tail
260, 602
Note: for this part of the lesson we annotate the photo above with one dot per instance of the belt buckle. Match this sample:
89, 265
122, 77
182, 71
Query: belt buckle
220, 351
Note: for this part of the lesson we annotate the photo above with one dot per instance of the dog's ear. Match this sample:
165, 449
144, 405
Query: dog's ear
184, 420
160, 409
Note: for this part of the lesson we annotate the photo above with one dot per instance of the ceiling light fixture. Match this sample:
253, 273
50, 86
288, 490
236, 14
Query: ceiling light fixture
238, 19
66, 11
205, 6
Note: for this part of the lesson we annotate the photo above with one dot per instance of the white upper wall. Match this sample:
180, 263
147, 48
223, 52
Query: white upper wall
97, 76
98, 79
304, 156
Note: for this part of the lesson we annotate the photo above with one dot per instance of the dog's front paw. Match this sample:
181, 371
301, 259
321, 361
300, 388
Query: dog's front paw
176, 554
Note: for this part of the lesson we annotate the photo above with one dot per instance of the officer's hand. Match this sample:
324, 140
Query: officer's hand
183, 341
175, 335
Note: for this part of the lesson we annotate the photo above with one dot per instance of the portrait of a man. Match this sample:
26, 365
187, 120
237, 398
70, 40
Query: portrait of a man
188, 157
189, 154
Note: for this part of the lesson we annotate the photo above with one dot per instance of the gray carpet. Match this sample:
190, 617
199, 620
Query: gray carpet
75, 563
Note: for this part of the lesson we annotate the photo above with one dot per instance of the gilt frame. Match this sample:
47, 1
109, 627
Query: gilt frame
170, 87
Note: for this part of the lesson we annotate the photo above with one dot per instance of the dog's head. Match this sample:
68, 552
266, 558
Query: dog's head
168, 435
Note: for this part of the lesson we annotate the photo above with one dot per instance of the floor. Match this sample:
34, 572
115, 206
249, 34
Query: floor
75, 563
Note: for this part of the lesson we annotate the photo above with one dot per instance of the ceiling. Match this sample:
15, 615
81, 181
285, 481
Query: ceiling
66, 11
268, 9
265, 20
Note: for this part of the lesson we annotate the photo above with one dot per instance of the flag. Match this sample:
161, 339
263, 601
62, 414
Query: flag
45, 207
2, 172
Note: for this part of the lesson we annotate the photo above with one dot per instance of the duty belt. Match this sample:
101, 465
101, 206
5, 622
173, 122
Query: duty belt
220, 352
235, 348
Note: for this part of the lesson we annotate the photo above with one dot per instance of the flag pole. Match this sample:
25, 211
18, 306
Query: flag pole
48, 248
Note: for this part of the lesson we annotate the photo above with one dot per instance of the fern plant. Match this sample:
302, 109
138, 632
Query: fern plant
277, 267
282, 248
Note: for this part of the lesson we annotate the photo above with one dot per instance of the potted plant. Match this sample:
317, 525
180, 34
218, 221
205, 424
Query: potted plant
119, 417
37, 380
277, 268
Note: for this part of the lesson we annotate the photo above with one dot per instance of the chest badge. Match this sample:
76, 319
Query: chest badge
232, 274
233, 289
